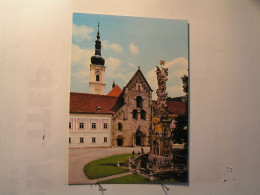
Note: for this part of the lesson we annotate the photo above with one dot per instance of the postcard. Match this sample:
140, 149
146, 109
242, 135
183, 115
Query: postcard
128, 120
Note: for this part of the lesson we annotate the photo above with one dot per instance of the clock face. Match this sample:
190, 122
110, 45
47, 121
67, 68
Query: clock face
97, 71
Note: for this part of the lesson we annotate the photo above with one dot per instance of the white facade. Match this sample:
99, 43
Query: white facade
90, 130
97, 79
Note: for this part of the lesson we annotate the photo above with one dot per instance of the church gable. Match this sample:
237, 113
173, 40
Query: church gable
138, 82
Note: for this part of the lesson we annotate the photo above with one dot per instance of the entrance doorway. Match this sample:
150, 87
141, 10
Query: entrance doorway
138, 140
119, 141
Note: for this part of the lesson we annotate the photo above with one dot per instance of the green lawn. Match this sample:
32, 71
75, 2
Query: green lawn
106, 166
136, 179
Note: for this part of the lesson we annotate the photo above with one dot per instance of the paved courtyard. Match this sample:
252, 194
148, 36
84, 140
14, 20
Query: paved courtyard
79, 157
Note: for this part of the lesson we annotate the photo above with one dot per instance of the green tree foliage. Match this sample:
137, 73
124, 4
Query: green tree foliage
180, 132
185, 84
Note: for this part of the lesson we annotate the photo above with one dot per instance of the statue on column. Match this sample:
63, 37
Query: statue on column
162, 74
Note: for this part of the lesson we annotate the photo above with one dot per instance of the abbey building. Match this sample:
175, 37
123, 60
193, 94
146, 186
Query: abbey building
120, 118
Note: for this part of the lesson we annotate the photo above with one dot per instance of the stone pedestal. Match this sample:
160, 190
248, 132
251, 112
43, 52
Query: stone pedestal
151, 177
137, 169
129, 166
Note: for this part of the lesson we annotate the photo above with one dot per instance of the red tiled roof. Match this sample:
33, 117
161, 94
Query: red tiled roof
91, 103
116, 91
176, 108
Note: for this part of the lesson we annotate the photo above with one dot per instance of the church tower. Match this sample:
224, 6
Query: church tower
97, 70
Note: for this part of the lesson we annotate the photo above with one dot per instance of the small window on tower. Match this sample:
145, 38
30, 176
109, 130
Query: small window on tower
97, 77
119, 126
134, 114
139, 101
143, 115
139, 87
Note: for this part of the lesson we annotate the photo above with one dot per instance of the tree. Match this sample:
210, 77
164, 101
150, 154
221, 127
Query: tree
180, 132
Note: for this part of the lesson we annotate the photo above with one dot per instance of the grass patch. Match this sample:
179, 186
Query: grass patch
106, 166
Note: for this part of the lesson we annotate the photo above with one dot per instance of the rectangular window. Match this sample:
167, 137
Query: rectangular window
70, 140
93, 125
93, 140
81, 125
70, 125
81, 140
105, 125
119, 126
105, 139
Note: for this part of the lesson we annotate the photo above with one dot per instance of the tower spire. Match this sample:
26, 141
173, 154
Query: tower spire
98, 30
98, 44
97, 59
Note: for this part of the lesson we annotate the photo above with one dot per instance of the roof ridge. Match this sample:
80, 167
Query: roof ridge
134, 77
115, 91
90, 94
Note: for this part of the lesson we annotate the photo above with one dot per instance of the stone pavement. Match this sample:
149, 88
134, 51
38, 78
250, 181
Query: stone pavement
79, 157
110, 177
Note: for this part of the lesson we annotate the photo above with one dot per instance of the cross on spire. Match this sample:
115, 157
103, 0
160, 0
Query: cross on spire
162, 63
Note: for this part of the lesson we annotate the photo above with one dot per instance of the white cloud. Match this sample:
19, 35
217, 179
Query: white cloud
131, 64
112, 64
176, 69
133, 48
179, 67
114, 46
112, 72
80, 56
124, 77
83, 76
79, 33
179, 63
121, 76
80, 60
175, 90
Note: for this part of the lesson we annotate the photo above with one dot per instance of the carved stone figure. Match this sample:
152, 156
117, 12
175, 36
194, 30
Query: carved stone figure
161, 91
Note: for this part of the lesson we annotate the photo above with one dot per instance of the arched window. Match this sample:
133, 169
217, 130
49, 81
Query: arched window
143, 115
134, 114
119, 126
97, 77
139, 102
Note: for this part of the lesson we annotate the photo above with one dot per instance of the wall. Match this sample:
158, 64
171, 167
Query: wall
35, 40
87, 133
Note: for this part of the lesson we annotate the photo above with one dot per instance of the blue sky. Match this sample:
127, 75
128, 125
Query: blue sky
129, 42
